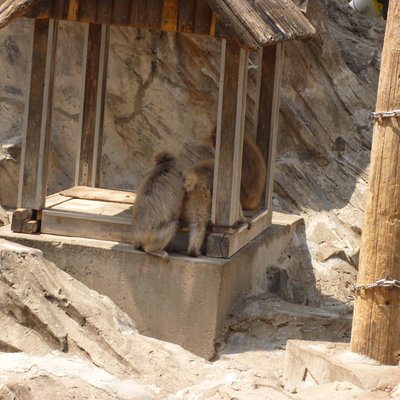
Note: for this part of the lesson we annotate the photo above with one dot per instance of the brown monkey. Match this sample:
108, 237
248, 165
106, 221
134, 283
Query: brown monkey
196, 210
157, 207
254, 172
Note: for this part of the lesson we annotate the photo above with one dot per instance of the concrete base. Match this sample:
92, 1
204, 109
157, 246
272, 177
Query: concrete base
185, 300
317, 363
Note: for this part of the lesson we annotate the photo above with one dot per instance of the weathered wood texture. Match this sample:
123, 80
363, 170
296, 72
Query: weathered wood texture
268, 117
225, 245
376, 322
229, 135
11, 9
260, 23
108, 195
90, 99
36, 135
253, 23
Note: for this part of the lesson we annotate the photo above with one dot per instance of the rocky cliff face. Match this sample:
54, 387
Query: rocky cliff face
162, 94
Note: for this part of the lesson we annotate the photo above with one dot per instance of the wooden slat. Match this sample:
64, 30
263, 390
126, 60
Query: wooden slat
87, 10
58, 224
138, 13
203, 17
36, 136
121, 12
88, 193
55, 199
59, 10
169, 19
268, 119
88, 117
230, 133
104, 11
154, 10
100, 104
187, 13
42, 9
73, 10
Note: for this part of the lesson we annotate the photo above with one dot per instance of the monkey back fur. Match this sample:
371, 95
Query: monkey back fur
157, 207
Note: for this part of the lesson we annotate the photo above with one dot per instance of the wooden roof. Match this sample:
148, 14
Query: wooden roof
253, 23
10, 9
259, 23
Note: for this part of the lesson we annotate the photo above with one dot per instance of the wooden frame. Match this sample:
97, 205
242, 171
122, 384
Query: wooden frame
227, 243
92, 111
226, 238
36, 132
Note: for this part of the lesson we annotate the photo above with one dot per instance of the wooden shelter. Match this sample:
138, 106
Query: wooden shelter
242, 26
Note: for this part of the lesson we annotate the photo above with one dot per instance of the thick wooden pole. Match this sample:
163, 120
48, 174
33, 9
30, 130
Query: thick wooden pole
376, 322
36, 136
230, 132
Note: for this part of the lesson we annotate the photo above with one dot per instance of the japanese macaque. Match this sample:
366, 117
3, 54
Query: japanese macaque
158, 204
254, 172
196, 210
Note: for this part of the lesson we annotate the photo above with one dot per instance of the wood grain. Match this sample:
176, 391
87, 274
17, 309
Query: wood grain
187, 12
229, 135
36, 135
88, 117
376, 321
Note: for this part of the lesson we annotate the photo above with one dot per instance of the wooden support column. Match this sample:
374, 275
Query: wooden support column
36, 132
376, 321
230, 133
92, 112
271, 65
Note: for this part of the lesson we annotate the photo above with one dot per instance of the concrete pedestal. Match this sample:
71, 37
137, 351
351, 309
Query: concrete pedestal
317, 363
185, 300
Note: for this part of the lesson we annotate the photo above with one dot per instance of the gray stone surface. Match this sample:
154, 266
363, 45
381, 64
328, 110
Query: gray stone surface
309, 363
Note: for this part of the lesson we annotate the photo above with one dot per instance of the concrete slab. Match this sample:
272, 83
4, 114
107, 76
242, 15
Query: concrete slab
185, 300
317, 363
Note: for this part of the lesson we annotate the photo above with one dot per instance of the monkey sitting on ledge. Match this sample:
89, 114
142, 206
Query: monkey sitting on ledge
158, 204
196, 210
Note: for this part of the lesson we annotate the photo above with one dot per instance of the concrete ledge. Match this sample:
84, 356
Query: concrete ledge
317, 363
185, 300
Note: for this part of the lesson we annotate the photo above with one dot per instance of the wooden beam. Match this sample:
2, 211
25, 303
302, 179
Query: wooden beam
73, 10
85, 161
230, 133
104, 11
225, 245
376, 321
268, 119
187, 12
203, 17
37, 122
100, 104
169, 19
87, 10
122, 11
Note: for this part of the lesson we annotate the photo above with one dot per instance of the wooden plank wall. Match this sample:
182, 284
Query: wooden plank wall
189, 16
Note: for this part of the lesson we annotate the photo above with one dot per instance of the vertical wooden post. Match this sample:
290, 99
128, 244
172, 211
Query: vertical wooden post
91, 116
36, 133
376, 321
230, 133
268, 119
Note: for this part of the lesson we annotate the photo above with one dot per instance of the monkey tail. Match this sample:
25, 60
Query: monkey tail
164, 157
